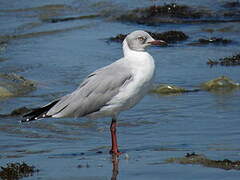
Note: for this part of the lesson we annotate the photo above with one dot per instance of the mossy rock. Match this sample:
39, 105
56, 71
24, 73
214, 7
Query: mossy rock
165, 89
14, 85
219, 83
193, 158
4, 92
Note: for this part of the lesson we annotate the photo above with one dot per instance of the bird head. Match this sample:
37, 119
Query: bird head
139, 40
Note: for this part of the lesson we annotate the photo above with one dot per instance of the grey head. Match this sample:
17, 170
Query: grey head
139, 40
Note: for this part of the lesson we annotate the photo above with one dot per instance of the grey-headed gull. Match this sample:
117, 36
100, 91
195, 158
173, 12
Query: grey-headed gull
109, 90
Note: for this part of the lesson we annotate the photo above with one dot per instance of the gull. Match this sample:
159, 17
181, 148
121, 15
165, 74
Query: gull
109, 90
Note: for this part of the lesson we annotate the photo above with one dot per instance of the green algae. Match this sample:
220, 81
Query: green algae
220, 83
193, 158
165, 89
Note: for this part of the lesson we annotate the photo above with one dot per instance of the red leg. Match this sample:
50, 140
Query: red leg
113, 130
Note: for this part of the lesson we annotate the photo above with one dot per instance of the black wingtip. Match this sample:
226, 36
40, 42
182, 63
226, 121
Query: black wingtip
33, 116
38, 113
29, 119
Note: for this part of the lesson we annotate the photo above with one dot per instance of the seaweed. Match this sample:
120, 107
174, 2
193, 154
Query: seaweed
168, 36
172, 10
178, 14
154, 15
15, 171
227, 61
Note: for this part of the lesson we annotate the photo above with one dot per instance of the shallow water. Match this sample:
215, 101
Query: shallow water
59, 55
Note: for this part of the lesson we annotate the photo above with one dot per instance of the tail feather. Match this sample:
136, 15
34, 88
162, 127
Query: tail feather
38, 113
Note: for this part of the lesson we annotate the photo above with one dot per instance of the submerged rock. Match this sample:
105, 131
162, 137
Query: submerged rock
212, 40
227, 61
118, 38
165, 89
232, 4
15, 171
17, 112
63, 19
3, 45
233, 9
14, 85
42, 33
169, 36
168, 13
229, 28
83, 166
178, 14
220, 83
201, 159
2, 59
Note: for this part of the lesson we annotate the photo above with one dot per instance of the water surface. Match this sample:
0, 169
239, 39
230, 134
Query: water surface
59, 55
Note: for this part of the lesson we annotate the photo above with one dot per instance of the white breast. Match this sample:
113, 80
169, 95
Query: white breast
142, 67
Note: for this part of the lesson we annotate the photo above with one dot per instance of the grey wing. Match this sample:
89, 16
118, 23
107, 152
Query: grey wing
94, 92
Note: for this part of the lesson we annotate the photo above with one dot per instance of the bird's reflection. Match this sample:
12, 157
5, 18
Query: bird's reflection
115, 162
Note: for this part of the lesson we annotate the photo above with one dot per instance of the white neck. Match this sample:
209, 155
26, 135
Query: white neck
129, 52
142, 66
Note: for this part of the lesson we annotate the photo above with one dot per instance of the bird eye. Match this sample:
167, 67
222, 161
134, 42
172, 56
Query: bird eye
141, 38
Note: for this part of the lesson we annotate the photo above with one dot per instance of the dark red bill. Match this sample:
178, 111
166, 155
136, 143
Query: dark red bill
158, 43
